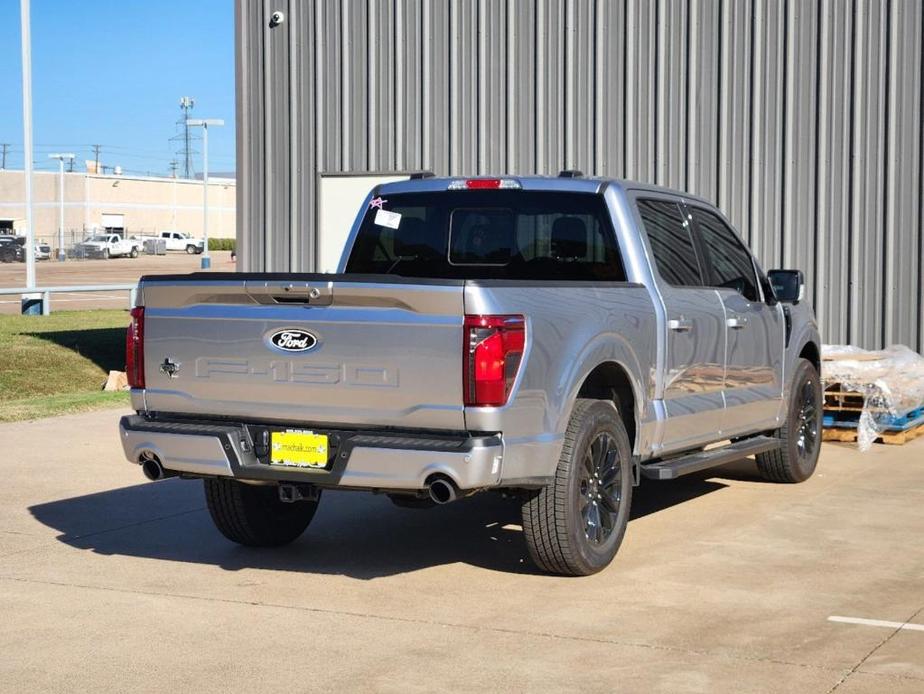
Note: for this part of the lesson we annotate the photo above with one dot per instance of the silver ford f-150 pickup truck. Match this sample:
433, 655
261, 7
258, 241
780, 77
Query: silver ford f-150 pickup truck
556, 338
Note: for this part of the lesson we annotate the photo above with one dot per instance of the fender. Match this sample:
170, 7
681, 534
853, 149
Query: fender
805, 330
606, 348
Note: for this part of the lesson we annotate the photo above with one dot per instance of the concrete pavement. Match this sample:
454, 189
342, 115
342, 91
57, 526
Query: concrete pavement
724, 584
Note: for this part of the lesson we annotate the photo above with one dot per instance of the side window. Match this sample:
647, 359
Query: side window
732, 267
671, 243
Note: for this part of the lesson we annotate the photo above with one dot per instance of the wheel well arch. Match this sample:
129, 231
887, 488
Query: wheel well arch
810, 351
610, 381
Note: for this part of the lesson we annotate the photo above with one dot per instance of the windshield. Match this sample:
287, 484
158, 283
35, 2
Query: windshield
497, 234
98, 239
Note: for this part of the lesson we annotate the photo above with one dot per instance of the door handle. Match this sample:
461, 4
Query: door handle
737, 323
680, 325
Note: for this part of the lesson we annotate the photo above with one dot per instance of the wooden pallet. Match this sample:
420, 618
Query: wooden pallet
895, 438
837, 399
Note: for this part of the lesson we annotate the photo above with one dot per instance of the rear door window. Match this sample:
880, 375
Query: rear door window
498, 234
730, 261
671, 242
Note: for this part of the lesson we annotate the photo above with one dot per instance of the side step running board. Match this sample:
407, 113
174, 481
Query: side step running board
703, 460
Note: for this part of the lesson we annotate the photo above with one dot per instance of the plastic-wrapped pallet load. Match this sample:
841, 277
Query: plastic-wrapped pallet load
885, 387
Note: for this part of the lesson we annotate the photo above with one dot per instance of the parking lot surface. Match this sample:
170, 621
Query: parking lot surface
724, 584
113, 271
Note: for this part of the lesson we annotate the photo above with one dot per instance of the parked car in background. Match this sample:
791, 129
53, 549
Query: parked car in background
557, 339
181, 241
42, 251
107, 246
10, 250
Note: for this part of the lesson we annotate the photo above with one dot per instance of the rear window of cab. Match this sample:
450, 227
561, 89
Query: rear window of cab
491, 234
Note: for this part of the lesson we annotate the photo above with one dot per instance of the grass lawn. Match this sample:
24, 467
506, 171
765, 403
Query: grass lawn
57, 364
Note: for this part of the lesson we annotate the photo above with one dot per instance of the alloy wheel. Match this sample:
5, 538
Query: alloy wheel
600, 488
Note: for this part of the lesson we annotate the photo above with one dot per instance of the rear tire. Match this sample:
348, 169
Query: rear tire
253, 515
800, 436
575, 525
134, 253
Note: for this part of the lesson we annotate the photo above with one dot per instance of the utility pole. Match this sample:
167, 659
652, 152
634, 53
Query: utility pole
3, 152
185, 138
61, 157
186, 105
96, 149
204, 123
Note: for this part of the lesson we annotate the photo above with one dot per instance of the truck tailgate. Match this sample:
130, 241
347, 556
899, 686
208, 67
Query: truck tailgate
385, 353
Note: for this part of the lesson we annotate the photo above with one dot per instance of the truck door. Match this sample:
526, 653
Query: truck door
755, 331
692, 374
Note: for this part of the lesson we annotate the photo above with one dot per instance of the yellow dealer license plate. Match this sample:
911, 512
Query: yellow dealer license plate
298, 449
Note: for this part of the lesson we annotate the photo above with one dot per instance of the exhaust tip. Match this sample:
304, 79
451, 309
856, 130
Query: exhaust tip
442, 491
151, 467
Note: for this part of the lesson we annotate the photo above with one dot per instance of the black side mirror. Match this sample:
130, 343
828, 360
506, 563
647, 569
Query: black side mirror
788, 285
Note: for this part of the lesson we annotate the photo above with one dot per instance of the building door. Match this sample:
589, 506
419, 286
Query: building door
339, 199
114, 223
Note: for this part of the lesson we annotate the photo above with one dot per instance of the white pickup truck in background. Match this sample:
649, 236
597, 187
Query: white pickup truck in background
181, 241
107, 246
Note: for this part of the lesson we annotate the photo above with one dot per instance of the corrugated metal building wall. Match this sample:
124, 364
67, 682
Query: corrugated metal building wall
801, 119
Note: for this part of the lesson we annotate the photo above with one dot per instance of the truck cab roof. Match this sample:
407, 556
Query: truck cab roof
561, 183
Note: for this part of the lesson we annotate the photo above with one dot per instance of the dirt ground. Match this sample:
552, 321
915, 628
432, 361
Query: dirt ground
113, 271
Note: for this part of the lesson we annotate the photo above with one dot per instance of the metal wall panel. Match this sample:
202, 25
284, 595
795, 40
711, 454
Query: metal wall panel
802, 119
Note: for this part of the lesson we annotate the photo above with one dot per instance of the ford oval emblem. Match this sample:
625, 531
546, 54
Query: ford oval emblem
293, 340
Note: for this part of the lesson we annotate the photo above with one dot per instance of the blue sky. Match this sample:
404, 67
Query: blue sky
112, 73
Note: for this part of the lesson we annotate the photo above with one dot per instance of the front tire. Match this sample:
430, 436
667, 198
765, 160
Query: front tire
105, 254
190, 249
800, 436
134, 253
254, 515
575, 525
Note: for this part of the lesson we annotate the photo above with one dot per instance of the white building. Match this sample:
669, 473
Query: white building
139, 205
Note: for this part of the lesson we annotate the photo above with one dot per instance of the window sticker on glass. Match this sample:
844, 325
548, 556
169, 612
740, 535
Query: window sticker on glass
384, 218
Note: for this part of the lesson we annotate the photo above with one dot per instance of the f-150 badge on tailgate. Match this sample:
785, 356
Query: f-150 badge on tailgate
292, 340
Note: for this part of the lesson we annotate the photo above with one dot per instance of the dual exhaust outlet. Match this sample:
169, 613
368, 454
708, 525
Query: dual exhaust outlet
440, 489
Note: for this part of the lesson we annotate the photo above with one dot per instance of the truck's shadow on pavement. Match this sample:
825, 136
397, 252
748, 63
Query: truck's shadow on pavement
353, 534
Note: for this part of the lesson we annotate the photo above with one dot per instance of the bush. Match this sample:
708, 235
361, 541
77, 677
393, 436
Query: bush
221, 244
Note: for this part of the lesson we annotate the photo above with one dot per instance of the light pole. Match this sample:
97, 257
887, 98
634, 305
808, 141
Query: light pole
61, 157
29, 304
204, 123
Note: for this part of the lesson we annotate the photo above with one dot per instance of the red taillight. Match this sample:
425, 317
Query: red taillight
134, 349
492, 350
